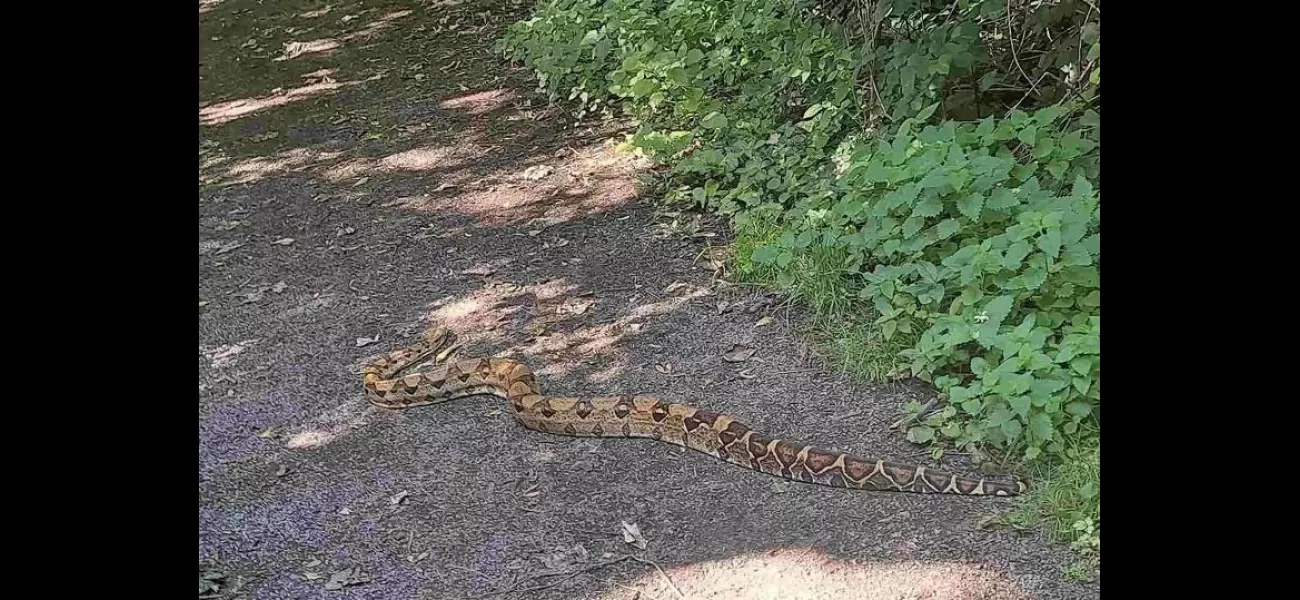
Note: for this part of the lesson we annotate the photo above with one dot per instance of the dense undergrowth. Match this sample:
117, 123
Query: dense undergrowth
924, 175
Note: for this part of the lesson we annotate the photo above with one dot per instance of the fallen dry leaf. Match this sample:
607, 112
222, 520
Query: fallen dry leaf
536, 172
632, 535
665, 368
225, 355
282, 471
346, 577
279, 287
361, 182
763, 321
738, 353
366, 341
480, 270
444, 186
283, 242
672, 287
310, 576
398, 498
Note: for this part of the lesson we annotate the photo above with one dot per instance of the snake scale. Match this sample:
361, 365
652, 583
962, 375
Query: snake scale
712, 433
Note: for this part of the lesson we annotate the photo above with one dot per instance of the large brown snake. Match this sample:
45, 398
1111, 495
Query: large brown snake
712, 433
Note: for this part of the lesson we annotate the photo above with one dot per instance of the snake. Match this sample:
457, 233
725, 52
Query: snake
639, 416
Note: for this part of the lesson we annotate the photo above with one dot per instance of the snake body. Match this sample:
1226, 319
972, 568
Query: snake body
712, 433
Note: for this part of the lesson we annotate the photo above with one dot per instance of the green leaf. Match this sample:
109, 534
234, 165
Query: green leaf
970, 205
1028, 135
888, 329
1079, 409
920, 434
926, 112
1020, 404
643, 87
931, 206
693, 56
765, 255
1015, 255
912, 225
1082, 187
972, 406
1050, 242
1041, 426
714, 120
947, 227
1081, 365
998, 309
1002, 199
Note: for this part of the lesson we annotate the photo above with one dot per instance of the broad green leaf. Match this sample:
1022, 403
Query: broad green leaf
1015, 255
1028, 135
765, 255
1050, 242
998, 309
970, 205
693, 56
1020, 404
714, 120
920, 434
643, 87
926, 112
1079, 409
931, 206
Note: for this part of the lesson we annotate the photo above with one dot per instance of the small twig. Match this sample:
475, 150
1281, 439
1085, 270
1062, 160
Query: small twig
667, 579
919, 414
639, 592
1011, 39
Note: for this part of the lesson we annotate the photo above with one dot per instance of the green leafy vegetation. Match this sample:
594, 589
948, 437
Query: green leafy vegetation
925, 176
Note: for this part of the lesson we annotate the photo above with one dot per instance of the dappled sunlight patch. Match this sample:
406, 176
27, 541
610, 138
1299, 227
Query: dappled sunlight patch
421, 159
571, 347
415, 160
224, 112
478, 103
812, 574
254, 169
207, 5
551, 289
478, 315
378, 25
319, 12
573, 184
293, 50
